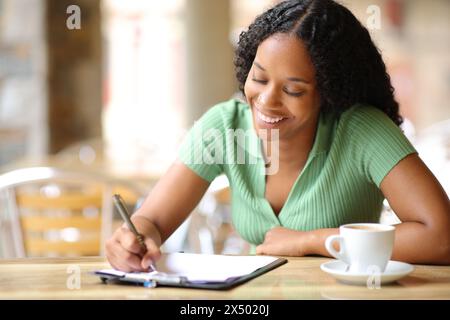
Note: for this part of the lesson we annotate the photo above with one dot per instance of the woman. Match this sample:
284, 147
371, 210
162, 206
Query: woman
319, 98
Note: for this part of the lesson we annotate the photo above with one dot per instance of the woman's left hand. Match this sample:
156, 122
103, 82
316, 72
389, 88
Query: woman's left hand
281, 241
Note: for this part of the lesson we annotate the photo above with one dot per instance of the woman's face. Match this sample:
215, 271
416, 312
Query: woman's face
281, 88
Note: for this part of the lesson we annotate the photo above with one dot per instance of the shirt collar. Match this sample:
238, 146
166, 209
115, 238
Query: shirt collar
324, 134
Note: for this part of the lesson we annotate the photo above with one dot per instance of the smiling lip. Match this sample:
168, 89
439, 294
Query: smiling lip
268, 119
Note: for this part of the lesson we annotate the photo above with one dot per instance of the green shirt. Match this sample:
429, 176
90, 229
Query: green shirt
339, 184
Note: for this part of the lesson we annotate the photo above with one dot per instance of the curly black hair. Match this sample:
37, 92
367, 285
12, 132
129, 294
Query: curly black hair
349, 67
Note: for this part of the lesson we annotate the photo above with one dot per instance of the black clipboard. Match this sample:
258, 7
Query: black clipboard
167, 280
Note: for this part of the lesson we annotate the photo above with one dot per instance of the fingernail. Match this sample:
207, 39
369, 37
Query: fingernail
148, 263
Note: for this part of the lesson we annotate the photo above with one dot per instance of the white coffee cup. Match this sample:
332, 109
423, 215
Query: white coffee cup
364, 247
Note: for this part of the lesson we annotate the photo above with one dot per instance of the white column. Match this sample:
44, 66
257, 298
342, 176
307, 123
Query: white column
210, 70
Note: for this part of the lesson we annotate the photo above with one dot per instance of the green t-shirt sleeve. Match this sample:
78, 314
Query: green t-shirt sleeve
378, 143
202, 148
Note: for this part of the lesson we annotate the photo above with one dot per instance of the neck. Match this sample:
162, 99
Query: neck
293, 151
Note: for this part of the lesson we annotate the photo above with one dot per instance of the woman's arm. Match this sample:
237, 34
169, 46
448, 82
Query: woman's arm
416, 197
422, 205
172, 199
169, 203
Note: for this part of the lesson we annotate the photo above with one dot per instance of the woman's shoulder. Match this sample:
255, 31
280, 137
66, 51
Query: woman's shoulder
365, 120
366, 126
373, 143
364, 113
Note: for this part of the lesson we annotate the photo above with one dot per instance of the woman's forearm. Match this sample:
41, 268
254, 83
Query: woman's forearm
316, 241
414, 243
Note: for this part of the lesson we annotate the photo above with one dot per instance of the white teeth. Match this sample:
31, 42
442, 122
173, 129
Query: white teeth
268, 119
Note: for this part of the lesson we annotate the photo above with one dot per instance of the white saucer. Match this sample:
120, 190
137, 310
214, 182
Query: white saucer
395, 270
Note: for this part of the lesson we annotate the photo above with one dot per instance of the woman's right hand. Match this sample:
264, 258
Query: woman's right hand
124, 252
176, 194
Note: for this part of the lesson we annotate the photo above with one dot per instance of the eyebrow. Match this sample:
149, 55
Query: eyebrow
259, 66
295, 79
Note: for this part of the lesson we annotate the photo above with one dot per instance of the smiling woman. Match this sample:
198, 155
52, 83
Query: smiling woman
279, 98
311, 74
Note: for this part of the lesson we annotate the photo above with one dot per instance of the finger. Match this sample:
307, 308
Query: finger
152, 255
260, 249
269, 234
121, 266
152, 248
148, 260
127, 259
111, 249
130, 242
117, 264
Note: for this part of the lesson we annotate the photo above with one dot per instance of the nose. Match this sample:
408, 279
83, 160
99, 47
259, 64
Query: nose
268, 99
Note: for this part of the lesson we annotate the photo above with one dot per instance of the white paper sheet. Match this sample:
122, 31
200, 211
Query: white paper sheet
205, 267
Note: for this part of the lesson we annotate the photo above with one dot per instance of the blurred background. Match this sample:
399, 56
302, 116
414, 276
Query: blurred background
111, 98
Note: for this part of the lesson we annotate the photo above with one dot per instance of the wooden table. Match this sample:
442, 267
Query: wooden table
300, 278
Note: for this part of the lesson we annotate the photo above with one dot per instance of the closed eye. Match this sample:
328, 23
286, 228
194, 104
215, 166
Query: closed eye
295, 94
259, 81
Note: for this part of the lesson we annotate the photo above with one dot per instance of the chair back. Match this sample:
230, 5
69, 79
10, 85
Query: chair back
49, 211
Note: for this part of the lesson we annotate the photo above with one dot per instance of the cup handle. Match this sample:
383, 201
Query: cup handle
329, 246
